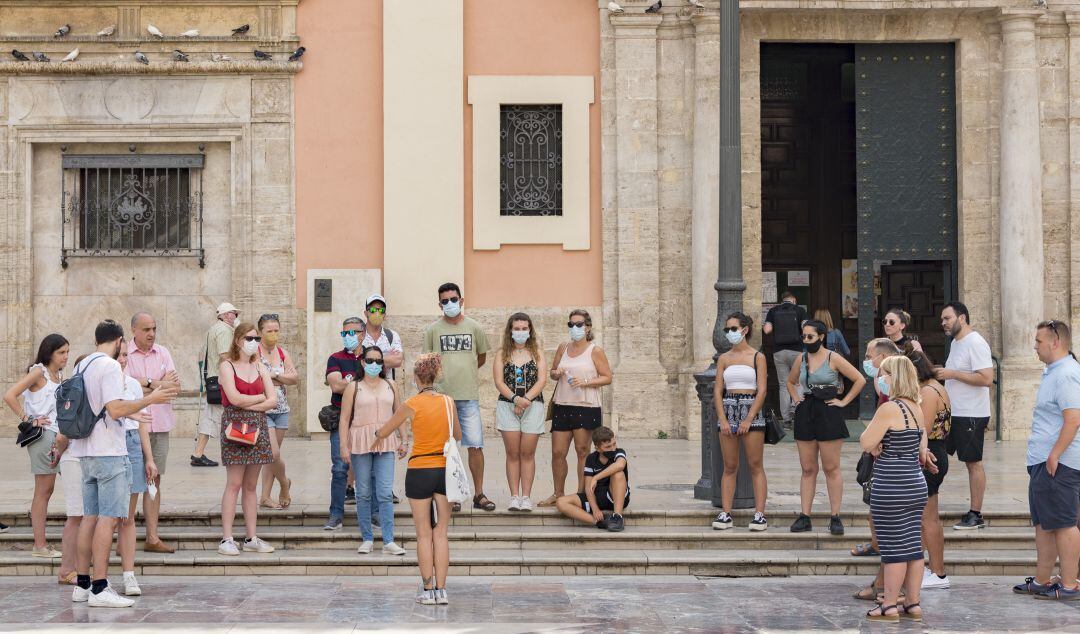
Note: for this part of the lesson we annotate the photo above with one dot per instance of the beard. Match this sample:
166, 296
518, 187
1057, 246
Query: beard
116, 352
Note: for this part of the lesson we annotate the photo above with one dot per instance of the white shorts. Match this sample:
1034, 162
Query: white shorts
210, 420
71, 478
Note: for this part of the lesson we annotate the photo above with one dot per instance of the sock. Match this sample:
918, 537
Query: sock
940, 576
83, 581
99, 585
129, 574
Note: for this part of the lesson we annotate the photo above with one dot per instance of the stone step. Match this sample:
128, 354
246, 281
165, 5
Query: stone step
711, 562
290, 538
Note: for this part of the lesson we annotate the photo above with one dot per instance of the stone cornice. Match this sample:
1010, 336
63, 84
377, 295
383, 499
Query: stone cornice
634, 25
186, 4
161, 68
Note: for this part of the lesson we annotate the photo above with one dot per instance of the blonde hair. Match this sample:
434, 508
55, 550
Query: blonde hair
905, 382
824, 316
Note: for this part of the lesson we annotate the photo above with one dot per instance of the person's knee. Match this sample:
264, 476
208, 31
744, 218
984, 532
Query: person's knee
809, 470
831, 471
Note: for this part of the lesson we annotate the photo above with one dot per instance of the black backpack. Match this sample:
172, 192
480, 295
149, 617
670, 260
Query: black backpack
74, 416
785, 323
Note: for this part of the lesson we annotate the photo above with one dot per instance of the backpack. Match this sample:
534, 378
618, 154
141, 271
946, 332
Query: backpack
786, 325
74, 416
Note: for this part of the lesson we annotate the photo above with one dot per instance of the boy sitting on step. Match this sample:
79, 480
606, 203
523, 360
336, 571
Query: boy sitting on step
607, 486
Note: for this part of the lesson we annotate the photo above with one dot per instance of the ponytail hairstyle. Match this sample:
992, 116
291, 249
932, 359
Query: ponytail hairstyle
745, 321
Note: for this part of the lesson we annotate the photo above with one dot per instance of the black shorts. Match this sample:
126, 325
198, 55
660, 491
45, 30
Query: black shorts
1053, 501
571, 417
966, 438
603, 500
814, 420
934, 480
421, 484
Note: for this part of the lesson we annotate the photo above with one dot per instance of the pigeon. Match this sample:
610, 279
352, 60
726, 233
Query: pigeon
241, 30
219, 57
70, 57
613, 7
107, 31
19, 55
62, 31
263, 56
41, 57
698, 4
180, 56
297, 54
142, 59
190, 33
1040, 4
156, 32
656, 7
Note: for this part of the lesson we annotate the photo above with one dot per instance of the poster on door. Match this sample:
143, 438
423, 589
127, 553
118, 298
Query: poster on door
849, 288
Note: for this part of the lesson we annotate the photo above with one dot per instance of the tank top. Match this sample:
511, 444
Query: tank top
42, 403
252, 388
521, 379
371, 408
430, 428
823, 375
581, 367
942, 420
282, 406
740, 377
902, 443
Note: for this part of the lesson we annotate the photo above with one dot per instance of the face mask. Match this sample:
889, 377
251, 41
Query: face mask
375, 319
520, 336
352, 342
734, 337
251, 347
452, 309
813, 347
271, 339
882, 386
868, 368
372, 369
577, 333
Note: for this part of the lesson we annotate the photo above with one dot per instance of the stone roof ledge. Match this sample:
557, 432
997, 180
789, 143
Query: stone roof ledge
161, 68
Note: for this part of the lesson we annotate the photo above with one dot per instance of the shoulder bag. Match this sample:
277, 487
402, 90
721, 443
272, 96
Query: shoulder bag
457, 478
210, 383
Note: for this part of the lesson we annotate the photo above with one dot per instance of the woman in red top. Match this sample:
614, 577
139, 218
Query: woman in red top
247, 393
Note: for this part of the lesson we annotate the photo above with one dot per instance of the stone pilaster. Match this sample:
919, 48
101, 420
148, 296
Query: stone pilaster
641, 398
1073, 224
15, 292
1021, 248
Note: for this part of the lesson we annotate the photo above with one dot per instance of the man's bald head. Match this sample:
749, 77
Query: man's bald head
144, 327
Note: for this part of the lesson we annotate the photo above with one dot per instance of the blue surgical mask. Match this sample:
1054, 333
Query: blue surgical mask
734, 337
577, 333
452, 309
882, 386
520, 336
868, 368
352, 342
372, 369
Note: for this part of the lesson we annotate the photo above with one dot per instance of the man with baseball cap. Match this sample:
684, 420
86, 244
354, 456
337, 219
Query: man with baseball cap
218, 341
378, 335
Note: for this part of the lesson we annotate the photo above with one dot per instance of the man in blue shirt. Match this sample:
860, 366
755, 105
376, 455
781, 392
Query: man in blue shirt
1053, 462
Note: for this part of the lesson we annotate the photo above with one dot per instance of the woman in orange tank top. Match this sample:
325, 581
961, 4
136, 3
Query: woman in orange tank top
433, 416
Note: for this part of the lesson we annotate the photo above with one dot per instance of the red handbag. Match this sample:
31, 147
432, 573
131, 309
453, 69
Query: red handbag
244, 428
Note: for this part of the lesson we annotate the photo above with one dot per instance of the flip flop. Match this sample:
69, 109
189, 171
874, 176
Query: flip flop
549, 501
69, 579
267, 503
285, 497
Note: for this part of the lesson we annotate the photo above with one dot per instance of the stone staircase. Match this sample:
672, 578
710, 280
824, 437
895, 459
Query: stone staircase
543, 543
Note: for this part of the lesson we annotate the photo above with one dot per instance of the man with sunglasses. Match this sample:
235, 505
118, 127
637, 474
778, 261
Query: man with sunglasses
968, 374
378, 335
342, 368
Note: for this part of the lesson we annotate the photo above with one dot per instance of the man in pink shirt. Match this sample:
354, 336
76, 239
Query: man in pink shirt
151, 365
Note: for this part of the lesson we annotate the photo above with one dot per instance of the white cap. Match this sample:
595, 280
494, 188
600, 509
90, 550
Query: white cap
375, 297
226, 307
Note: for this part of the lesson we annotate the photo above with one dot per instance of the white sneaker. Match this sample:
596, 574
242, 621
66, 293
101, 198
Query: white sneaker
931, 580
228, 547
256, 545
79, 595
365, 548
392, 549
514, 505
440, 597
131, 586
425, 597
108, 598
525, 504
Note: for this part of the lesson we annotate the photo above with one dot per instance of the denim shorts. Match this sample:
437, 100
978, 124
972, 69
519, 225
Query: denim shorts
135, 460
472, 428
106, 485
278, 421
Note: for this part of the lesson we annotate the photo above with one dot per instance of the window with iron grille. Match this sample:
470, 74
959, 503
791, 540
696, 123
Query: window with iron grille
530, 179
132, 205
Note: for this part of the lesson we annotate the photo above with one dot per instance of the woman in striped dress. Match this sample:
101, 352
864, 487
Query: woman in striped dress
898, 493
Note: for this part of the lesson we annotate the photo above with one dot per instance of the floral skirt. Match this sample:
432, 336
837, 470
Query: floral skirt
736, 407
235, 454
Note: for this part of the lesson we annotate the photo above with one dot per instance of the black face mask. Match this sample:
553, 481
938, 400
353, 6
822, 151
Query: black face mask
610, 455
813, 347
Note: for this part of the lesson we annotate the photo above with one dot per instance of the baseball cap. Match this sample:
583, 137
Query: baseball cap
375, 297
226, 307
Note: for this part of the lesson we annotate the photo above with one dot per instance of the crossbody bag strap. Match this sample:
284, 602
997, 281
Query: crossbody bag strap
393, 393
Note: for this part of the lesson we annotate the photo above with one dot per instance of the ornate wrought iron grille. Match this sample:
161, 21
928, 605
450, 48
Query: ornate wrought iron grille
530, 179
132, 205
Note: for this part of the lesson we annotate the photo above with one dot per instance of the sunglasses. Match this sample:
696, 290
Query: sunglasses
890, 322
575, 324
269, 317
375, 310
447, 300
373, 361
253, 338
732, 328
809, 338
346, 333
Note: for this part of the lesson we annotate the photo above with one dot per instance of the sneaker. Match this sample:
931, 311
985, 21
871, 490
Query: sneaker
108, 598
971, 520
256, 545
80, 595
131, 586
526, 504
836, 527
931, 580
440, 597
392, 549
514, 504
602, 524
350, 495
228, 547
615, 523
424, 596
1058, 592
365, 548
722, 522
46, 552
1030, 586
802, 524
332, 524
759, 523
202, 461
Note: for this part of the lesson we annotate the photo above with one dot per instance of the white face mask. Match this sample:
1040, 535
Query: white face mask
520, 337
251, 347
577, 333
452, 309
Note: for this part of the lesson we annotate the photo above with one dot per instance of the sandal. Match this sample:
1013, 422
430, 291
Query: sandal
267, 503
864, 550
285, 497
868, 593
906, 613
69, 579
549, 501
481, 501
455, 507
880, 598
882, 614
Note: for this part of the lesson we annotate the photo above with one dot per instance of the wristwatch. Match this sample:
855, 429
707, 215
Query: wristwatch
148, 382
